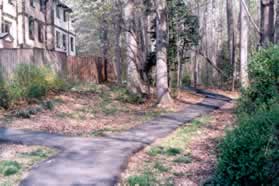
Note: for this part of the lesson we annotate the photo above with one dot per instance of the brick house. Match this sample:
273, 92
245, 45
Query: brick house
42, 24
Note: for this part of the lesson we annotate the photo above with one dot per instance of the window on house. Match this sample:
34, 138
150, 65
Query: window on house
32, 4
72, 44
42, 5
57, 39
6, 27
40, 32
65, 16
57, 12
31, 24
64, 42
11, 2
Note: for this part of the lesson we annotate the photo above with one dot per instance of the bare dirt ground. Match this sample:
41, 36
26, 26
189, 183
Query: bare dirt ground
193, 164
90, 110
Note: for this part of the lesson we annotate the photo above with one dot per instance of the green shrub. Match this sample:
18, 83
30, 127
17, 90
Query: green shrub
173, 151
185, 159
37, 91
186, 80
145, 179
160, 167
4, 98
125, 96
8, 168
249, 155
264, 75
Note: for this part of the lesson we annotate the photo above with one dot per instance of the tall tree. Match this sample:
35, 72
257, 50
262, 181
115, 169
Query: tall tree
135, 83
267, 22
117, 25
162, 82
277, 23
244, 35
231, 38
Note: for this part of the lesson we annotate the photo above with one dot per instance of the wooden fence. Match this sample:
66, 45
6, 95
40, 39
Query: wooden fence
11, 58
89, 69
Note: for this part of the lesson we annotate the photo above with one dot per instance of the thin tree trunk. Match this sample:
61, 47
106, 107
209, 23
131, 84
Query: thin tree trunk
244, 30
178, 58
277, 23
195, 70
135, 84
163, 94
105, 40
231, 38
117, 47
267, 22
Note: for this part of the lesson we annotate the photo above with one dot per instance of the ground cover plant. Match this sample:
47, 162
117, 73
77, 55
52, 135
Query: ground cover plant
249, 153
17, 160
88, 109
29, 83
182, 157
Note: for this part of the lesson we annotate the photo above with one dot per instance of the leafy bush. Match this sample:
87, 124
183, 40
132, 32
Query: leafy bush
4, 95
146, 179
186, 80
30, 82
125, 96
8, 168
264, 75
249, 155
4, 98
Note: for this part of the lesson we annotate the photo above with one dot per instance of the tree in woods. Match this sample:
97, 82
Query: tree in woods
135, 83
277, 23
117, 26
244, 35
162, 81
231, 39
267, 22
183, 35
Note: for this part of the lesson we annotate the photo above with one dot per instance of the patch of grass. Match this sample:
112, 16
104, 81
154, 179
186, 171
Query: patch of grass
16, 165
169, 182
102, 132
180, 174
87, 88
39, 153
185, 159
160, 167
172, 151
48, 105
144, 179
8, 168
154, 151
109, 110
183, 135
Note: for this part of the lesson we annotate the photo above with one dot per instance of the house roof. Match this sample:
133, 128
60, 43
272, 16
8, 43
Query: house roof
3, 35
6, 36
63, 5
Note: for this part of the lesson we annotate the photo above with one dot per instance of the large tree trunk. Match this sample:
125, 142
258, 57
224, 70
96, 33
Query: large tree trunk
277, 23
163, 94
231, 38
135, 83
1, 13
105, 45
267, 22
244, 29
117, 47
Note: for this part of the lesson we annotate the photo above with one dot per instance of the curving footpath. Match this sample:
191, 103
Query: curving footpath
100, 161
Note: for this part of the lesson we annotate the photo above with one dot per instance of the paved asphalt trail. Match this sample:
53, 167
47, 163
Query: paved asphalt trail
99, 161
